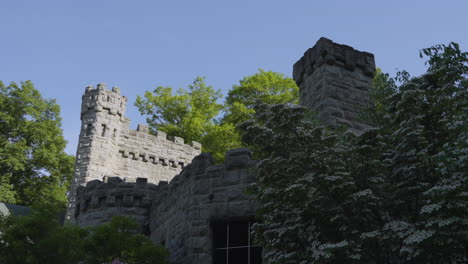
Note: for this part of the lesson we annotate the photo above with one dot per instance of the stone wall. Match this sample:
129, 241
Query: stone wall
183, 210
107, 146
157, 158
334, 81
99, 201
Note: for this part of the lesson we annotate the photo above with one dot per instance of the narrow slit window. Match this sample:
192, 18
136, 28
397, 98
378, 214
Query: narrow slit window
77, 210
101, 200
104, 129
115, 133
118, 200
137, 201
89, 129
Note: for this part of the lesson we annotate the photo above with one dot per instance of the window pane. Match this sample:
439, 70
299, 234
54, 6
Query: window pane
238, 234
219, 235
255, 255
238, 256
220, 256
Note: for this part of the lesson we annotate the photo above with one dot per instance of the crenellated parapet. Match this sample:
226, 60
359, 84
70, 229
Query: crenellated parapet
99, 201
100, 99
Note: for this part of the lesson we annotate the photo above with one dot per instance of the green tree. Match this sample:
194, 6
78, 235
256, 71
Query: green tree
33, 164
118, 240
395, 194
188, 113
193, 114
41, 238
265, 86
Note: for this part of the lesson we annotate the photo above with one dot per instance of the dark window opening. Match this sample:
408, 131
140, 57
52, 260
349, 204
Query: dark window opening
118, 200
104, 129
77, 210
101, 201
87, 203
232, 243
89, 129
137, 201
115, 133
108, 99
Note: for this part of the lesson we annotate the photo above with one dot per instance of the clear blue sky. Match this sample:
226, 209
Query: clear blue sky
64, 45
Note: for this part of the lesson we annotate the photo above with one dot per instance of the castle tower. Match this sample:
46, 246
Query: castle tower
334, 81
102, 118
108, 147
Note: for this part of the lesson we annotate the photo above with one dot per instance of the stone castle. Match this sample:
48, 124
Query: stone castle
181, 200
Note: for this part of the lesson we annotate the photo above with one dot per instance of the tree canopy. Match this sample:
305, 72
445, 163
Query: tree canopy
196, 114
188, 113
33, 164
265, 86
41, 238
394, 194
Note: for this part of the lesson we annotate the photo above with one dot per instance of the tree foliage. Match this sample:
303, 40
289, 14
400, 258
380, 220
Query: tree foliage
394, 194
33, 164
265, 86
41, 238
118, 240
188, 113
194, 114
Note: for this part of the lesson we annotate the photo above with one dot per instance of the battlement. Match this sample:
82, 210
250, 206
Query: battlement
99, 200
102, 100
202, 169
115, 192
328, 52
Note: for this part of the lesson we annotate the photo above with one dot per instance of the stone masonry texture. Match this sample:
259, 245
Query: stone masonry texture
334, 82
108, 147
175, 192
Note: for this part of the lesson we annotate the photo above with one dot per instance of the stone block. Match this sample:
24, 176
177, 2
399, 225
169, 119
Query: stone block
237, 158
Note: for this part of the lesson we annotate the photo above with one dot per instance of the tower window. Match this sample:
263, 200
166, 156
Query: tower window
115, 133
104, 128
89, 129
232, 243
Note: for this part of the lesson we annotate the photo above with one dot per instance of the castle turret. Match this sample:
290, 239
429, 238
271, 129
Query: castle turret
334, 81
